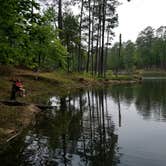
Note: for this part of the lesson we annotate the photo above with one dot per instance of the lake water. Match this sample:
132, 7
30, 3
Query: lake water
122, 125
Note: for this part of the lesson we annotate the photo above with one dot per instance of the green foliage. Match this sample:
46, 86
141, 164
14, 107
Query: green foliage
70, 38
58, 53
148, 52
144, 44
38, 34
27, 37
128, 58
114, 61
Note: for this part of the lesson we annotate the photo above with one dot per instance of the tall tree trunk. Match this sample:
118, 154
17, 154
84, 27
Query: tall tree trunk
89, 38
60, 22
60, 17
106, 55
103, 37
80, 37
96, 54
92, 40
98, 44
119, 54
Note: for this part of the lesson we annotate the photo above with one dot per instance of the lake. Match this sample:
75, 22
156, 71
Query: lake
122, 125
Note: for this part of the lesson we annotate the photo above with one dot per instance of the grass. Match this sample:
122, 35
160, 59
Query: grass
154, 73
134, 76
121, 77
55, 83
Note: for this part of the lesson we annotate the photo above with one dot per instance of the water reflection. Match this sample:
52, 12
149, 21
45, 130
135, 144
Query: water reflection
99, 127
81, 132
149, 98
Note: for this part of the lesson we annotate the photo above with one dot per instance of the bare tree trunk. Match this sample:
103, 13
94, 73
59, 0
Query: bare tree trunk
106, 55
100, 45
60, 15
98, 42
89, 47
96, 54
92, 40
60, 22
79, 67
119, 54
103, 35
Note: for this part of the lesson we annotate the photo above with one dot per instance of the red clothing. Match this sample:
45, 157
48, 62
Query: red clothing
19, 84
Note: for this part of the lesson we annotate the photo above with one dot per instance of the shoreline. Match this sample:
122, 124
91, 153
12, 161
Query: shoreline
40, 86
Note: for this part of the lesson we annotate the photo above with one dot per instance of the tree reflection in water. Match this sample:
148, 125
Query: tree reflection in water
148, 97
81, 133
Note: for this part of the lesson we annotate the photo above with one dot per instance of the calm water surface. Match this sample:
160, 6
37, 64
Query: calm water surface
121, 126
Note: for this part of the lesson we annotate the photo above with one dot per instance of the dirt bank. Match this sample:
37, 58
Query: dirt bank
13, 120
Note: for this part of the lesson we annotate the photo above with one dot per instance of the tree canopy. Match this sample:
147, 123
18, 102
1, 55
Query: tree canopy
149, 51
50, 35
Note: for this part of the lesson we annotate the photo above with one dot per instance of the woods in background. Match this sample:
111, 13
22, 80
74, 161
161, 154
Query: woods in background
148, 52
74, 36
46, 34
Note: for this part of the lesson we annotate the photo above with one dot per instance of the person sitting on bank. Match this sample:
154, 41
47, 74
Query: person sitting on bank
20, 88
17, 87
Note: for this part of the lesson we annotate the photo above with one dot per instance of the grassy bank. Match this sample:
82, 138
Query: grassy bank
153, 73
39, 87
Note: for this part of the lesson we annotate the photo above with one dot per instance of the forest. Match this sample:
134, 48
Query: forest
148, 52
73, 95
75, 36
